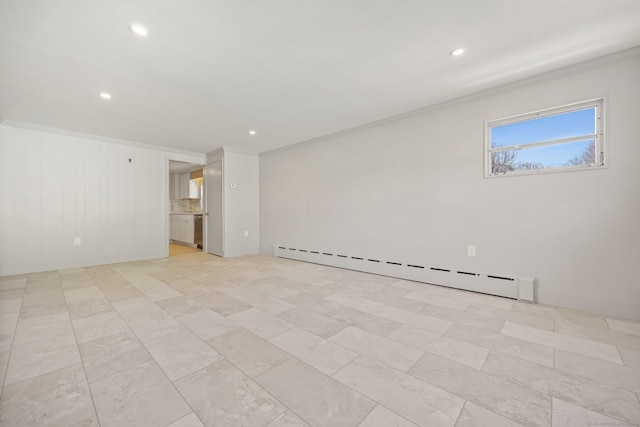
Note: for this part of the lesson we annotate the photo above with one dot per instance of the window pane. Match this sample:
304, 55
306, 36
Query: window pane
580, 153
565, 125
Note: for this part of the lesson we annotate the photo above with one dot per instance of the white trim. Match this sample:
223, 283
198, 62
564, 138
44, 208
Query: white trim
550, 111
543, 143
520, 288
568, 70
240, 151
30, 126
598, 104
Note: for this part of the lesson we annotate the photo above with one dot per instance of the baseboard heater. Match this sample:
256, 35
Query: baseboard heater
520, 288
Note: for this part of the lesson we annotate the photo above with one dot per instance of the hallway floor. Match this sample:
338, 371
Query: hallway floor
197, 340
176, 249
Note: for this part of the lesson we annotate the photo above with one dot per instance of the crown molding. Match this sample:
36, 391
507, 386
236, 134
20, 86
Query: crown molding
31, 126
527, 81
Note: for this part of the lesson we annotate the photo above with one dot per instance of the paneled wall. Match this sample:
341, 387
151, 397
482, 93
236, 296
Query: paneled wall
56, 187
412, 190
241, 203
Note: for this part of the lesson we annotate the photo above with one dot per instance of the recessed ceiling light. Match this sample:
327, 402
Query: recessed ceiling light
139, 29
105, 95
252, 132
456, 52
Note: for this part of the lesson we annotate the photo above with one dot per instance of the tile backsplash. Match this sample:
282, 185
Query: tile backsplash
185, 206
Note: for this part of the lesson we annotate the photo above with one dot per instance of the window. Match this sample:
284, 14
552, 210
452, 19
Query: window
563, 138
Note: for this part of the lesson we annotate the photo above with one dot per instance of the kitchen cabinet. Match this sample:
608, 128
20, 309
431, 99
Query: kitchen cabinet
182, 228
184, 186
174, 186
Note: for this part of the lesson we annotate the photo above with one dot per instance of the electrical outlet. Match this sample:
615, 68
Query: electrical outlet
246, 233
77, 241
471, 251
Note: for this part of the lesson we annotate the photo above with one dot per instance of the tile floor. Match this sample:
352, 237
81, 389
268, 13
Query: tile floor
257, 341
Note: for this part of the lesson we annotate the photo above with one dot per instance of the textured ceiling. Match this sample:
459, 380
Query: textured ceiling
293, 70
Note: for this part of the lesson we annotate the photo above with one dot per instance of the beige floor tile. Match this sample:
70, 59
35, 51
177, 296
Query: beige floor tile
159, 292
600, 335
260, 323
598, 397
464, 318
4, 364
312, 322
221, 303
10, 294
562, 314
365, 321
415, 400
181, 353
526, 350
8, 322
598, 370
568, 415
53, 329
138, 396
36, 306
268, 304
248, 352
304, 299
563, 342
89, 307
100, 325
476, 416
278, 301
357, 303
323, 355
288, 419
478, 298
274, 290
155, 324
112, 354
180, 306
322, 306
630, 357
391, 353
449, 348
132, 307
89, 422
513, 316
207, 324
82, 294
122, 294
382, 417
417, 320
238, 400
39, 357
513, 401
190, 420
57, 398
236, 291
624, 326
441, 300
13, 282
317, 398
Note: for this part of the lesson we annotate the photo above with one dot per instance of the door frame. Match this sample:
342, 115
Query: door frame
195, 161
206, 215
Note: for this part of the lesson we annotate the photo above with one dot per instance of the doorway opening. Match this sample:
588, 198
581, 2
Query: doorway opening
186, 201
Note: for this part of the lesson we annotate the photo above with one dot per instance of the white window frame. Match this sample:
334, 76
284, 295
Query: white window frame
599, 105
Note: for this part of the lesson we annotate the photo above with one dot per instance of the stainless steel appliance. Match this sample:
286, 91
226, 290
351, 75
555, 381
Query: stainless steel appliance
197, 230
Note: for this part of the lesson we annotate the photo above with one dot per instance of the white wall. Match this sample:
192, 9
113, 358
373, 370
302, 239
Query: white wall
55, 187
412, 189
241, 203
